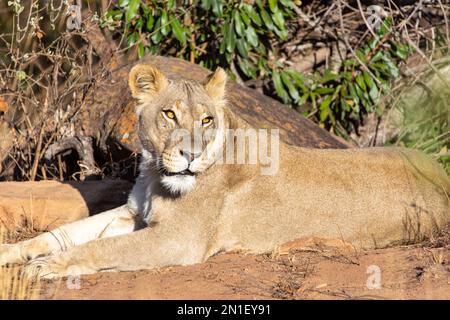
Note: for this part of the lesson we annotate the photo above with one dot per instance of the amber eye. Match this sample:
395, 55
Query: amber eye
207, 120
169, 114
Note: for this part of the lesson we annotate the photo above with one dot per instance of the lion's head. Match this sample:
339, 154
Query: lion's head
181, 123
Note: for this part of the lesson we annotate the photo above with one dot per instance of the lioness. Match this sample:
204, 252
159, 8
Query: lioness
186, 207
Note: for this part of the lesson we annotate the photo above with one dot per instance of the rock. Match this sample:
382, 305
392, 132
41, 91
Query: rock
48, 204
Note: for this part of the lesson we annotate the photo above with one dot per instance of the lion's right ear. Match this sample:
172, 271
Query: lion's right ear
146, 81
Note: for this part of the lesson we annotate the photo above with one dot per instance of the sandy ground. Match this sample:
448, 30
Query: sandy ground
304, 269
316, 271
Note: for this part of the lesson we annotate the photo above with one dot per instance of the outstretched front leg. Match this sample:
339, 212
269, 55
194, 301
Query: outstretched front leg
107, 224
148, 248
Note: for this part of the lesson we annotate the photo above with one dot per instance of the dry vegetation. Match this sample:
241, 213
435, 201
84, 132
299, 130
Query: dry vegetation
15, 283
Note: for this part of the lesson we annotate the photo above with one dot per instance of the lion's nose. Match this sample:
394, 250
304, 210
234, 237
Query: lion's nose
189, 155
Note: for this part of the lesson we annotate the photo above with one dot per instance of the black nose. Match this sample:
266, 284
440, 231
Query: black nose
189, 155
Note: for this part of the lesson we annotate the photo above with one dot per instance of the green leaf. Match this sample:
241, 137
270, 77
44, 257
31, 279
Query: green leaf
123, 3
360, 82
132, 9
246, 68
282, 34
223, 47
132, 38
251, 36
281, 92
230, 39
238, 25
324, 90
377, 57
267, 20
157, 36
374, 94
349, 63
164, 24
206, 4
286, 3
150, 22
171, 4
116, 14
373, 42
288, 83
353, 93
385, 26
242, 47
391, 67
401, 53
324, 108
254, 16
141, 50
245, 17
303, 98
178, 31
139, 24
344, 106
259, 4
217, 7
223, 44
363, 95
153, 50
368, 79
361, 56
278, 18
328, 76
273, 5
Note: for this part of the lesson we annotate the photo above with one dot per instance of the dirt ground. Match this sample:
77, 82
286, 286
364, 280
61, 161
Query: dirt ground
314, 270
303, 269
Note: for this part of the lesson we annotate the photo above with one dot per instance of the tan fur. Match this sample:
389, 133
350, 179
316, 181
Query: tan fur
372, 198
145, 79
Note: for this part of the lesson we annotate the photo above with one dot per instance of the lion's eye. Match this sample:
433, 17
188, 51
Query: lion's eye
207, 120
169, 114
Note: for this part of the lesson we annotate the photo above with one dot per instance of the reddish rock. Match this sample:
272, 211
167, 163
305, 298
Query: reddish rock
49, 204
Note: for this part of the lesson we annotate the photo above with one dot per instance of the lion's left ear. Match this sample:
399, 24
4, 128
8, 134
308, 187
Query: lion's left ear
215, 85
146, 81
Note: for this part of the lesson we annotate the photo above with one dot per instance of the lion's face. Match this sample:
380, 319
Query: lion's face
181, 124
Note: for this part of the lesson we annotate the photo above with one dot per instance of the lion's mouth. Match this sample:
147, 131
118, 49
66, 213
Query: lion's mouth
186, 172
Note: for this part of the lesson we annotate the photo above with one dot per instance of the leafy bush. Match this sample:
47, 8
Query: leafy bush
239, 35
341, 99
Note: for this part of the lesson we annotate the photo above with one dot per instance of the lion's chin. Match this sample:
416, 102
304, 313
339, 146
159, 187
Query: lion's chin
178, 184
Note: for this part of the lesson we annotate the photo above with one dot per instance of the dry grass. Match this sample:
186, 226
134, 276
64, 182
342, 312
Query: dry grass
15, 284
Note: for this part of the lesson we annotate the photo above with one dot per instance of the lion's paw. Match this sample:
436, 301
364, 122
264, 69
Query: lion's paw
54, 267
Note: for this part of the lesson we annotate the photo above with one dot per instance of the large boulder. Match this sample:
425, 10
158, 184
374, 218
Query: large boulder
46, 205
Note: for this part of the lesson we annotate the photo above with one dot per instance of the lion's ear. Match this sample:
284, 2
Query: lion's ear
146, 81
215, 85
